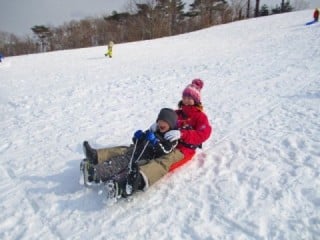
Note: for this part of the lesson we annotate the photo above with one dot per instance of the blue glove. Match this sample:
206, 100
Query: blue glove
151, 138
138, 134
172, 135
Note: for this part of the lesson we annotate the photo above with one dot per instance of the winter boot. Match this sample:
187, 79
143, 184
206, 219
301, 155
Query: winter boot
91, 154
114, 189
135, 181
88, 172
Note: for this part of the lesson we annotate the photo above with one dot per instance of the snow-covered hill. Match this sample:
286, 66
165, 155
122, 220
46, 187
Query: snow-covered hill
257, 177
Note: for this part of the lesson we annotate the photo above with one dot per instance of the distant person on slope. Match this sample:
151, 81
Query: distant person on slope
1, 57
109, 51
316, 15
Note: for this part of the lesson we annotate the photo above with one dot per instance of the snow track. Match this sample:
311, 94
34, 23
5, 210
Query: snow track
22, 209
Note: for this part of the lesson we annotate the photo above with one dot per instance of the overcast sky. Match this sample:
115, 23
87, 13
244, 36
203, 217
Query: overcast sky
18, 16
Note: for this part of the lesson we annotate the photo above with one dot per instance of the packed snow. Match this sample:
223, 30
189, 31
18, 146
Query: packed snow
257, 177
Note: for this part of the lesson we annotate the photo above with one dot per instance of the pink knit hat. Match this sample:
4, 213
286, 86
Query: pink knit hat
193, 90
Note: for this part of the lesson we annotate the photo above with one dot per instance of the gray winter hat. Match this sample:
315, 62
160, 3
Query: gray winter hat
168, 115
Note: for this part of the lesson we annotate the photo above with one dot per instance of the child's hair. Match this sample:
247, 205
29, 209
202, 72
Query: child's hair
197, 105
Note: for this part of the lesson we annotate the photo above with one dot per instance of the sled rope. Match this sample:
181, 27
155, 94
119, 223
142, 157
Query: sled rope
128, 186
131, 158
133, 152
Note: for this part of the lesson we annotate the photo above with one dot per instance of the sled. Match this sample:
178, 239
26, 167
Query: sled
110, 186
178, 164
311, 22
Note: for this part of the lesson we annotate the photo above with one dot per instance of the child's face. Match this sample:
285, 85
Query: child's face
163, 126
187, 100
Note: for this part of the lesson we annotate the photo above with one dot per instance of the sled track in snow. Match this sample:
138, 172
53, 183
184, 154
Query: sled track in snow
238, 126
255, 116
15, 183
267, 106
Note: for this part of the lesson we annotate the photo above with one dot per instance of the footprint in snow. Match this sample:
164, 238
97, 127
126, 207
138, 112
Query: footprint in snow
4, 147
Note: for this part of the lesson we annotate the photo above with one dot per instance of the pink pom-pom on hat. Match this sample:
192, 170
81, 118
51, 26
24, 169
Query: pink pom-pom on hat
193, 90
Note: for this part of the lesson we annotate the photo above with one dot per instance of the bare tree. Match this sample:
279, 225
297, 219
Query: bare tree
145, 19
257, 8
282, 6
238, 7
300, 4
248, 8
11, 45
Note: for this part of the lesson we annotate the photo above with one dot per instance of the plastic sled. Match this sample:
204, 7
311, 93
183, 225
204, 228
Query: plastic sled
178, 164
311, 22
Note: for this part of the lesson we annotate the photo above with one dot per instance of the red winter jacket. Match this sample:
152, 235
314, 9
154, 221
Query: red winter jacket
194, 127
316, 14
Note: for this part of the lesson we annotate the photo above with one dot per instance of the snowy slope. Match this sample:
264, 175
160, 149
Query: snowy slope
257, 177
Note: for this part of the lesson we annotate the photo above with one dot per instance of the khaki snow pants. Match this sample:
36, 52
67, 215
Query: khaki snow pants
106, 153
153, 170
157, 168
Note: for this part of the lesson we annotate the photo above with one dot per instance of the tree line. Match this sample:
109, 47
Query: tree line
142, 21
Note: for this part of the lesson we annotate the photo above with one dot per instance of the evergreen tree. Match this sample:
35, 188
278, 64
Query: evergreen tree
285, 7
43, 33
264, 11
276, 9
172, 11
206, 9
